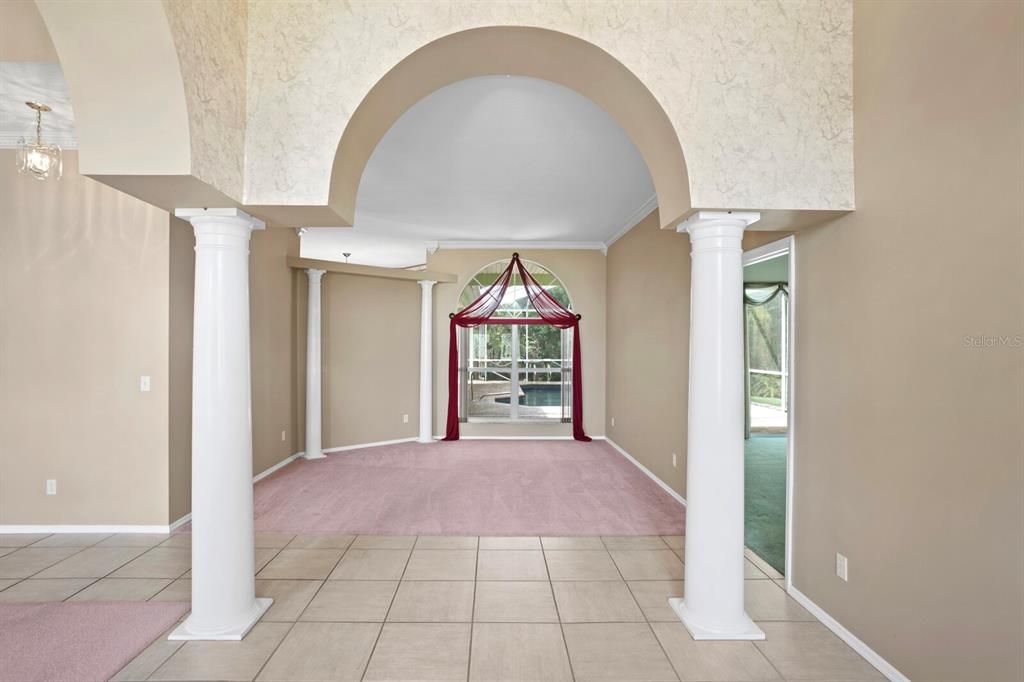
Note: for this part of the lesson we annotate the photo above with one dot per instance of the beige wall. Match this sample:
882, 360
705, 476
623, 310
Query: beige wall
276, 365
371, 341
275, 338
583, 273
182, 287
23, 35
648, 347
84, 295
649, 344
908, 442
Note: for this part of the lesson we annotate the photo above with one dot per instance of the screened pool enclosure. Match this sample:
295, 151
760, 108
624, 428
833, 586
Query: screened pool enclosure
515, 345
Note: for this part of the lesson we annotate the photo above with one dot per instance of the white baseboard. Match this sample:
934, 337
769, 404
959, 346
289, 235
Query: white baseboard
855, 643
461, 437
664, 486
283, 463
180, 522
377, 444
82, 528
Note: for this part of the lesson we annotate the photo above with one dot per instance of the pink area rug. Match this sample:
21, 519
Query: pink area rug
78, 641
470, 487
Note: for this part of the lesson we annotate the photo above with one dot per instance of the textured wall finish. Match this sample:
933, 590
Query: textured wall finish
210, 39
759, 93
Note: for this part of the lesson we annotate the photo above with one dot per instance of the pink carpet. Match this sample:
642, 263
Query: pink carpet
78, 641
470, 487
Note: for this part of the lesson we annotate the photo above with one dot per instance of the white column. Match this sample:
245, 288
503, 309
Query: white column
712, 607
426, 360
314, 393
224, 603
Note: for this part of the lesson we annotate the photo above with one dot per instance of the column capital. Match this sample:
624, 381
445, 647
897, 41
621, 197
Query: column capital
717, 222
315, 274
427, 284
219, 215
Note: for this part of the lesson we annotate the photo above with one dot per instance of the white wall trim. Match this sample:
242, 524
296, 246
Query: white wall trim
664, 486
869, 654
633, 220
524, 245
175, 525
82, 528
283, 463
377, 444
461, 437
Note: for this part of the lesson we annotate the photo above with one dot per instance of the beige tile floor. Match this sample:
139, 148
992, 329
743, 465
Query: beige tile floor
440, 608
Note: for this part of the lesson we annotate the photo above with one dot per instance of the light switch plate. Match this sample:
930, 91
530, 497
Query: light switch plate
841, 566
51, 486
144, 384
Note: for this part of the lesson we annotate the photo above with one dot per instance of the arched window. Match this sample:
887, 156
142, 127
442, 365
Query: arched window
515, 372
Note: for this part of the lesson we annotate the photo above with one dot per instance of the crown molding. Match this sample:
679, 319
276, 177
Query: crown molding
13, 141
536, 245
639, 214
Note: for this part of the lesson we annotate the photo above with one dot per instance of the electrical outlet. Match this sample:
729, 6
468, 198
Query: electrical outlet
51, 486
841, 566
613, 421
284, 436
405, 419
673, 460
144, 384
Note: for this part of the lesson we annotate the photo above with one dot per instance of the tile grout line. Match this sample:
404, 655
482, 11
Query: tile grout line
291, 625
387, 613
472, 612
94, 580
558, 613
646, 621
298, 618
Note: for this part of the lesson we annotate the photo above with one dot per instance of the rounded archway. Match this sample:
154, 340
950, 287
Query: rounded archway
513, 304
506, 50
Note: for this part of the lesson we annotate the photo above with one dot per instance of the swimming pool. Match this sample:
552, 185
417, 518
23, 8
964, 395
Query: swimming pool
537, 395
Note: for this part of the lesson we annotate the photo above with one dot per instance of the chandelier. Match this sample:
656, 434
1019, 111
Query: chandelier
39, 159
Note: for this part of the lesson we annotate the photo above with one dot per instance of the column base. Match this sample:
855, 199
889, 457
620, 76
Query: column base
314, 455
185, 632
746, 629
421, 439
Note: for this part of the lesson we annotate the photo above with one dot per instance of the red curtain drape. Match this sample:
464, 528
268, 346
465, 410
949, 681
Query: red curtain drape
480, 311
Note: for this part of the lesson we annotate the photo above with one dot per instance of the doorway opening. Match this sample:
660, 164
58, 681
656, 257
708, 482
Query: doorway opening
768, 333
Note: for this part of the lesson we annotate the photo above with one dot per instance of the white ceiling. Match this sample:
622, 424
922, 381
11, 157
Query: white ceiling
37, 82
492, 159
771, 270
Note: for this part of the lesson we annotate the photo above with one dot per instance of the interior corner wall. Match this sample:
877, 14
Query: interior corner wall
370, 343
910, 315
648, 297
274, 347
181, 292
583, 274
84, 301
275, 337
648, 347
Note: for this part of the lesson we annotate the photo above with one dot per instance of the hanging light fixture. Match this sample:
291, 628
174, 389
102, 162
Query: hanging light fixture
39, 159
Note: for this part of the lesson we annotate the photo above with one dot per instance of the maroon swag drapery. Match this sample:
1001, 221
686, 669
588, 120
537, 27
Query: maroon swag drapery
479, 312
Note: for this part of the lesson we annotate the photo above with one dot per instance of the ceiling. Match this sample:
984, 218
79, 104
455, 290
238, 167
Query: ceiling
771, 270
493, 159
38, 82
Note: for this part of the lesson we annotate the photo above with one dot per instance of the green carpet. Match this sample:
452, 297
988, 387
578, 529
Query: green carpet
764, 516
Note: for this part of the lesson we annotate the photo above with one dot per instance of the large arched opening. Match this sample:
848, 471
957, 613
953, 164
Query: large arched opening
533, 52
